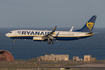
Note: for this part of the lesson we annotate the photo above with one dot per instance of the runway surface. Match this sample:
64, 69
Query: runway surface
99, 65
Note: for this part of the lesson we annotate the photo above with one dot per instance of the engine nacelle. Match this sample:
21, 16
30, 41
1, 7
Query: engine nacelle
37, 39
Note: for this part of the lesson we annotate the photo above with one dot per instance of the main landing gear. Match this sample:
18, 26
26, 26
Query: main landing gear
50, 41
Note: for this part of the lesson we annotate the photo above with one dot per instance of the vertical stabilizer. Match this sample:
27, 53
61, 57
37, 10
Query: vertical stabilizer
88, 27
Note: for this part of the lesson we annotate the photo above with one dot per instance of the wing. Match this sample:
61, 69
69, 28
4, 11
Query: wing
49, 36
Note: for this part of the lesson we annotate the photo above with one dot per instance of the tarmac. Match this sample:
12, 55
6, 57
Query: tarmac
95, 65
91, 65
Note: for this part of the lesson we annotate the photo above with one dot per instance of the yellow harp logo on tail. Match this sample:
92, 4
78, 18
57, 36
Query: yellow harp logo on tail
90, 25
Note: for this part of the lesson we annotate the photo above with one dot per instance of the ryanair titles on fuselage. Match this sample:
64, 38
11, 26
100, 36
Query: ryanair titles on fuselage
33, 32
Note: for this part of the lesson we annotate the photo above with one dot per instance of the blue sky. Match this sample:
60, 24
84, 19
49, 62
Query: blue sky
50, 13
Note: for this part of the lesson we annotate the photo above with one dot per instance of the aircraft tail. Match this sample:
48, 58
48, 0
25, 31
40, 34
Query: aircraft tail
88, 27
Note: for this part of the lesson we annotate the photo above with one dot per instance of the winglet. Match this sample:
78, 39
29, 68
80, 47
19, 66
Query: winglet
54, 29
71, 29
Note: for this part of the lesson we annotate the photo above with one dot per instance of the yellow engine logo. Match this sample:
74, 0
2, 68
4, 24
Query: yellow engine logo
90, 25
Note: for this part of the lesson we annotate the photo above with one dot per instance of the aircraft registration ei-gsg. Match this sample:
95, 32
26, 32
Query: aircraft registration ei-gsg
50, 36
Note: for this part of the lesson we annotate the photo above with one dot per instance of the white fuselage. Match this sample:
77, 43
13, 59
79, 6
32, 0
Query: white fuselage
59, 35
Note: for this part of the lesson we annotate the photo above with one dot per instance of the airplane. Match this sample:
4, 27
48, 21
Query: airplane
50, 36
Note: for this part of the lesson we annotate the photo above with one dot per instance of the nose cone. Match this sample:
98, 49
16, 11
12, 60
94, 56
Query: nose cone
7, 34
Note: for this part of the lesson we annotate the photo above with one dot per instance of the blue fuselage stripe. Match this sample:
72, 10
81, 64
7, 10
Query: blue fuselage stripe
57, 38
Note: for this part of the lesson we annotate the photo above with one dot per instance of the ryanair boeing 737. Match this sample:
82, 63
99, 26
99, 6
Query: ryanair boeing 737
50, 36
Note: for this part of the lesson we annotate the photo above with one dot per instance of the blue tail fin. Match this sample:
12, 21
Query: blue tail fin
88, 27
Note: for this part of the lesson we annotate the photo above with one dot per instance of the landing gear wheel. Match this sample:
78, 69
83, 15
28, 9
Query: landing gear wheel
51, 42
